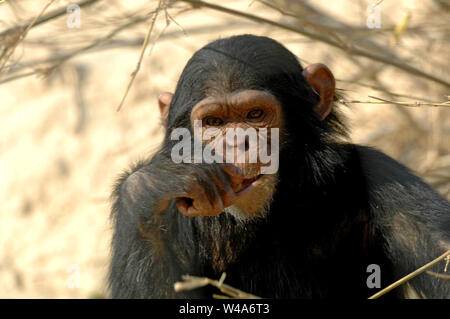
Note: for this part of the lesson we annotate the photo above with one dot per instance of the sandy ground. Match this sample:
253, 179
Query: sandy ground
63, 144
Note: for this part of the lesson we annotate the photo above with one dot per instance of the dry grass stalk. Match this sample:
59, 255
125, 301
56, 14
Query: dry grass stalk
193, 282
141, 56
337, 44
401, 281
17, 39
383, 101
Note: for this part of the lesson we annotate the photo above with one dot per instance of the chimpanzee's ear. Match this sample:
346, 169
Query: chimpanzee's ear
323, 82
164, 100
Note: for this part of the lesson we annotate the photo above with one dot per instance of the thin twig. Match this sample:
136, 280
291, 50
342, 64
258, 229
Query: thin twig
409, 276
193, 282
49, 16
76, 52
383, 101
217, 296
305, 21
141, 56
350, 50
20, 75
112, 44
24, 34
418, 104
381, 89
438, 275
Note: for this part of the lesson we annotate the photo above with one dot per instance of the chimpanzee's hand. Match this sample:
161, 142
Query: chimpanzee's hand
209, 190
199, 189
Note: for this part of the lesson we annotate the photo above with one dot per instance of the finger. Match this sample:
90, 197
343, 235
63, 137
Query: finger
197, 203
213, 194
235, 174
226, 192
193, 203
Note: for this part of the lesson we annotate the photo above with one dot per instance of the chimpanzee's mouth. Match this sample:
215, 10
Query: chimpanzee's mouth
249, 183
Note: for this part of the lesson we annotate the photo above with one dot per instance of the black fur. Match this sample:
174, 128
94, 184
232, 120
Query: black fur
338, 207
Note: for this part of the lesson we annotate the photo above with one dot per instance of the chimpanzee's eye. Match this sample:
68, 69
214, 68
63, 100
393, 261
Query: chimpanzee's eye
213, 121
255, 114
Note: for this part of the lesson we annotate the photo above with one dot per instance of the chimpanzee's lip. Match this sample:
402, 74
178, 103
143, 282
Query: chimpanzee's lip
250, 183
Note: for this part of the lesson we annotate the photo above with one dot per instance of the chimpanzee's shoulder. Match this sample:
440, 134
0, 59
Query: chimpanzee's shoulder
379, 167
390, 183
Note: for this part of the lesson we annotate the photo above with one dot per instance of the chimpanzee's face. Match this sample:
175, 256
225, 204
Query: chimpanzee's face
243, 129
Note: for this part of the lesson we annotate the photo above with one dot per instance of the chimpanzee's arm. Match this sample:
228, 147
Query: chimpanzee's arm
149, 252
138, 269
413, 221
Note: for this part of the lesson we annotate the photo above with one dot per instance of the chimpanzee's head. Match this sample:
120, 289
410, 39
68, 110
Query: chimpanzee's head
253, 82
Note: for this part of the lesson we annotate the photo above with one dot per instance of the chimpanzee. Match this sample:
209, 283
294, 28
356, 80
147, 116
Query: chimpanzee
310, 229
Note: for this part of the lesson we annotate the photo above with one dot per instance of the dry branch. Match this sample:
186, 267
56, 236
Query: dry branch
345, 47
401, 281
22, 36
48, 17
141, 56
193, 282
438, 275
66, 57
384, 101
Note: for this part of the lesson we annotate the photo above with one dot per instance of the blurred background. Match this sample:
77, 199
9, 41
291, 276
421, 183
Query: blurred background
65, 67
